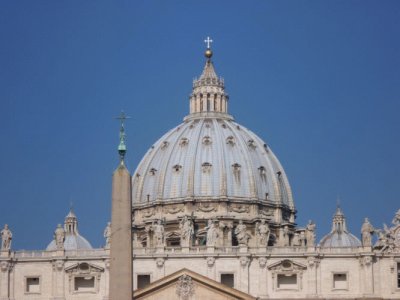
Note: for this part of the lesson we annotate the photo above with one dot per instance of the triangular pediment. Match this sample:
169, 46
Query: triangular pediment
186, 284
84, 268
287, 265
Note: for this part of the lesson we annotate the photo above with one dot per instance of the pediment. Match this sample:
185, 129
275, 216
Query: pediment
84, 268
186, 284
287, 266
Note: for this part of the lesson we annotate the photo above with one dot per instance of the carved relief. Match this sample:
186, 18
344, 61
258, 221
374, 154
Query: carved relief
148, 212
262, 261
312, 261
185, 287
58, 265
244, 261
239, 208
210, 261
160, 262
366, 261
267, 212
5, 266
174, 209
206, 207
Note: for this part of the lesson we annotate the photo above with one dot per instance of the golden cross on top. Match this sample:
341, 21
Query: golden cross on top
208, 41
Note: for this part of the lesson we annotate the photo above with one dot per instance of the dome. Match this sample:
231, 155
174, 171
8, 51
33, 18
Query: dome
210, 156
339, 235
213, 157
73, 240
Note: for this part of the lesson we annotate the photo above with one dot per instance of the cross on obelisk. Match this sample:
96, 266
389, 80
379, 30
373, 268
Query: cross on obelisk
208, 41
122, 147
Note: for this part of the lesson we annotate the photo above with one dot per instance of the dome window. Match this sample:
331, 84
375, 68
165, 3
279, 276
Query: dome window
236, 167
236, 171
263, 172
223, 125
251, 144
207, 140
164, 145
177, 168
206, 167
183, 142
153, 171
230, 140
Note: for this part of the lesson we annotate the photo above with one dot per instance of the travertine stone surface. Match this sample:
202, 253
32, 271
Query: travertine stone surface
121, 233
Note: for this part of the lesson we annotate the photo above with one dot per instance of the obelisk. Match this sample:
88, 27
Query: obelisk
121, 227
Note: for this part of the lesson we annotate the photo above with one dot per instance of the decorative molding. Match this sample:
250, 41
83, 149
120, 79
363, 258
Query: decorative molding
206, 207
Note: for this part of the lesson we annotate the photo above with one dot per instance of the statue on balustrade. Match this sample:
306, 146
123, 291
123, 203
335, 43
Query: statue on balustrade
396, 219
187, 230
310, 234
262, 233
241, 234
6, 237
296, 240
158, 230
59, 237
107, 235
366, 233
212, 234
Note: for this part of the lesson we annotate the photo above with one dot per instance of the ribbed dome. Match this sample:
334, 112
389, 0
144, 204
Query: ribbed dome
210, 156
339, 235
73, 240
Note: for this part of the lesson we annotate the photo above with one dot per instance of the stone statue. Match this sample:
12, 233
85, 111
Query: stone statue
396, 219
212, 234
6, 237
59, 237
386, 239
366, 233
296, 240
187, 230
310, 233
286, 236
262, 232
107, 235
302, 238
158, 230
241, 233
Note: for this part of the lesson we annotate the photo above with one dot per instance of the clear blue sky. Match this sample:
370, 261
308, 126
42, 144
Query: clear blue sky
319, 81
